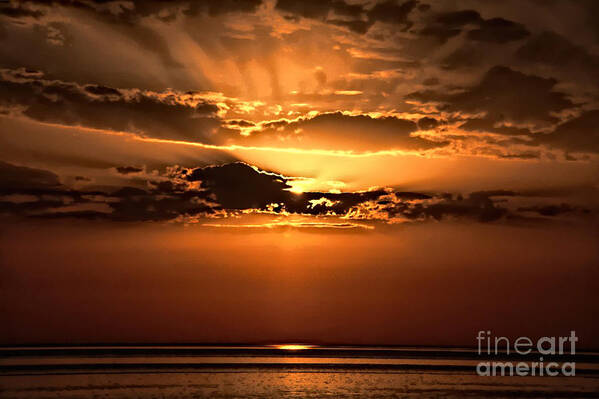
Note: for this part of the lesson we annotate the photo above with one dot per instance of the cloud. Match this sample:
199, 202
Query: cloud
168, 115
479, 206
25, 190
126, 170
18, 11
131, 11
339, 131
551, 48
319, 8
331, 11
239, 186
235, 189
405, 15
564, 58
498, 30
38, 193
580, 134
446, 25
393, 12
553, 210
507, 96
354, 16
427, 123
180, 192
488, 125
21, 178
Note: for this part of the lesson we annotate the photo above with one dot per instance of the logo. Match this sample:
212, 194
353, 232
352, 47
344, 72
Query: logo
527, 349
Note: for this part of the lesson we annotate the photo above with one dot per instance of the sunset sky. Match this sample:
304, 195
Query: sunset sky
330, 171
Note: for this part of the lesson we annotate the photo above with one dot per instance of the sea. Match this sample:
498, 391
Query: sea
276, 371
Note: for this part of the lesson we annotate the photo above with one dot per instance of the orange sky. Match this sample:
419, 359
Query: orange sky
420, 285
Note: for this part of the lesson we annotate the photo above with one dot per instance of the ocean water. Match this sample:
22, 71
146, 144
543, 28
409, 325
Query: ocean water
272, 372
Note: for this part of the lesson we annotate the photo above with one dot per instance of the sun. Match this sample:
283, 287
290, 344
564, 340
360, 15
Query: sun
296, 190
298, 186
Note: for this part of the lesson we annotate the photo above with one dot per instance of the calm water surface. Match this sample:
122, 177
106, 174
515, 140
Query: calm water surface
270, 372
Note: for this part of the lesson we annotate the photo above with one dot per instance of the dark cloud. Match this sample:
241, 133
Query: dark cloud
126, 170
161, 115
319, 9
25, 190
18, 11
158, 204
478, 205
481, 206
482, 209
393, 12
560, 54
505, 96
37, 193
117, 11
427, 123
239, 186
20, 178
102, 90
553, 210
406, 195
240, 123
336, 12
355, 17
580, 134
402, 14
521, 155
551, 48
498, 30
444, 26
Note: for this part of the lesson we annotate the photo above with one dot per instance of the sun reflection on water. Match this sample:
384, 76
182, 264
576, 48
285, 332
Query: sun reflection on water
293, 347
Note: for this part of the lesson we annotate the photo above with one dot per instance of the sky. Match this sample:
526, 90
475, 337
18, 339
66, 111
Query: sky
267, 171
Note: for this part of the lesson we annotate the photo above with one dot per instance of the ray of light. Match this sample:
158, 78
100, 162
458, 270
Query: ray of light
289, 150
